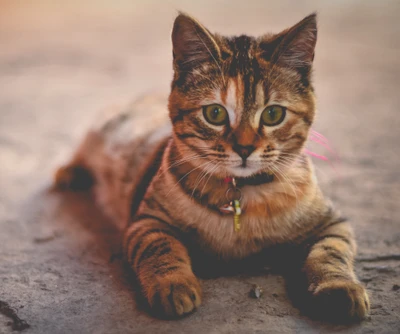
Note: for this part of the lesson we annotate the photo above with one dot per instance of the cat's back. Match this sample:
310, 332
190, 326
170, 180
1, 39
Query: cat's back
120, 127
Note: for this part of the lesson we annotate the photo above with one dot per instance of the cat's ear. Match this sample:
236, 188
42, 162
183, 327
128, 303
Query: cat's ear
192, 43
294, 47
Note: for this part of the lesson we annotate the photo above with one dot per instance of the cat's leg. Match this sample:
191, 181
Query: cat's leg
336, 292
162, 266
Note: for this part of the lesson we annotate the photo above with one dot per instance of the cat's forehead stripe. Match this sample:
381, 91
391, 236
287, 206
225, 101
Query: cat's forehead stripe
232, 98
239, 94
230, 101
244, 66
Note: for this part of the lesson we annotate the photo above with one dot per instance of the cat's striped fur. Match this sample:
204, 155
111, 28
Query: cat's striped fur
166, 182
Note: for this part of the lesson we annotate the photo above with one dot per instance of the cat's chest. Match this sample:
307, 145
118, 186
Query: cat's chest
215, 232
270, 215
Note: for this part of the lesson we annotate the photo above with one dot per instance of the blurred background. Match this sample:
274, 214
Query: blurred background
61, 62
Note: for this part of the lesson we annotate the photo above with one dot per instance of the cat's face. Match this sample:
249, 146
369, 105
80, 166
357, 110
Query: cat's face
243, 105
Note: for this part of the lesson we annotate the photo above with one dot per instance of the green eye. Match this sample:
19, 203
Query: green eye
215, 114
273, 115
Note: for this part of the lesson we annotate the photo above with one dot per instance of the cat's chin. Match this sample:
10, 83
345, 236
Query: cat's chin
243, 171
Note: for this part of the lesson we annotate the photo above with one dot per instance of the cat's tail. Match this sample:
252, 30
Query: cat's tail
78, 174
73, 177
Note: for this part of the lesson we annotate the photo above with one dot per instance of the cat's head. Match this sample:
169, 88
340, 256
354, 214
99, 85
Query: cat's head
243, 104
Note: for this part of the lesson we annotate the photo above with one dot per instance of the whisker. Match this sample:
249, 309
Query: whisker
180, 162
291, 184
191, 171
204, 174
276, 173
310, 153
209, 177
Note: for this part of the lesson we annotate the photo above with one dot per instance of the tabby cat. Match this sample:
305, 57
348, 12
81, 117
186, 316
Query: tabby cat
225, 178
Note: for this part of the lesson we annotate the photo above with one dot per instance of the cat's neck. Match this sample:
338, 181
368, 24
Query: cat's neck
190, 173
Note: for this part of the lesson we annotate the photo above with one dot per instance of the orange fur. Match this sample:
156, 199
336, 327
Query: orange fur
169, 184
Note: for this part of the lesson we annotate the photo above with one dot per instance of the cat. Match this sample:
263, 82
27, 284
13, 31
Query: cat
223, 175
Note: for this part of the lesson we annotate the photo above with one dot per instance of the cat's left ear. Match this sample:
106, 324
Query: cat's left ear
192, 43
294, 47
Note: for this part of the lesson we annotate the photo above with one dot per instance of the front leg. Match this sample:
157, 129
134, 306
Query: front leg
162, 266
336, 292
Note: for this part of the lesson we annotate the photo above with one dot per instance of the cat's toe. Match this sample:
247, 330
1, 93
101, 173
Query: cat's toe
176, 295
341, 301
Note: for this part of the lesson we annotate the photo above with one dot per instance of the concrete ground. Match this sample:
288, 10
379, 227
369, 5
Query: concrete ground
62, 62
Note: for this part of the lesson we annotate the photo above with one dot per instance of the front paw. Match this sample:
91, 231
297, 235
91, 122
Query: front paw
341, 300
177, 294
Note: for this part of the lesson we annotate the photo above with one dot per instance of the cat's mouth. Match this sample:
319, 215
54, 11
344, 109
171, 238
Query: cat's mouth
244, 169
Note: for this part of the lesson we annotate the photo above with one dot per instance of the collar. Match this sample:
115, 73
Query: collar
234, 194
254, 180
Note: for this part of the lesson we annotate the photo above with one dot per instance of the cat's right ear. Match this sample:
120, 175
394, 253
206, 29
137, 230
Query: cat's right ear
192, 43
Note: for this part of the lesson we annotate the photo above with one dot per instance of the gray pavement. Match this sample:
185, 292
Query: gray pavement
62, 62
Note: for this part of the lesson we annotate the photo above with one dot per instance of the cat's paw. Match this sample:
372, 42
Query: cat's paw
175, 295
341, 300
71, 177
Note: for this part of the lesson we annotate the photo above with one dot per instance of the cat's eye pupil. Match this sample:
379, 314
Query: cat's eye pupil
215, 113
272, 113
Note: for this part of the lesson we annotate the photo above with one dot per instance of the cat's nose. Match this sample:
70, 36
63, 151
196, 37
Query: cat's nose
243, 151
